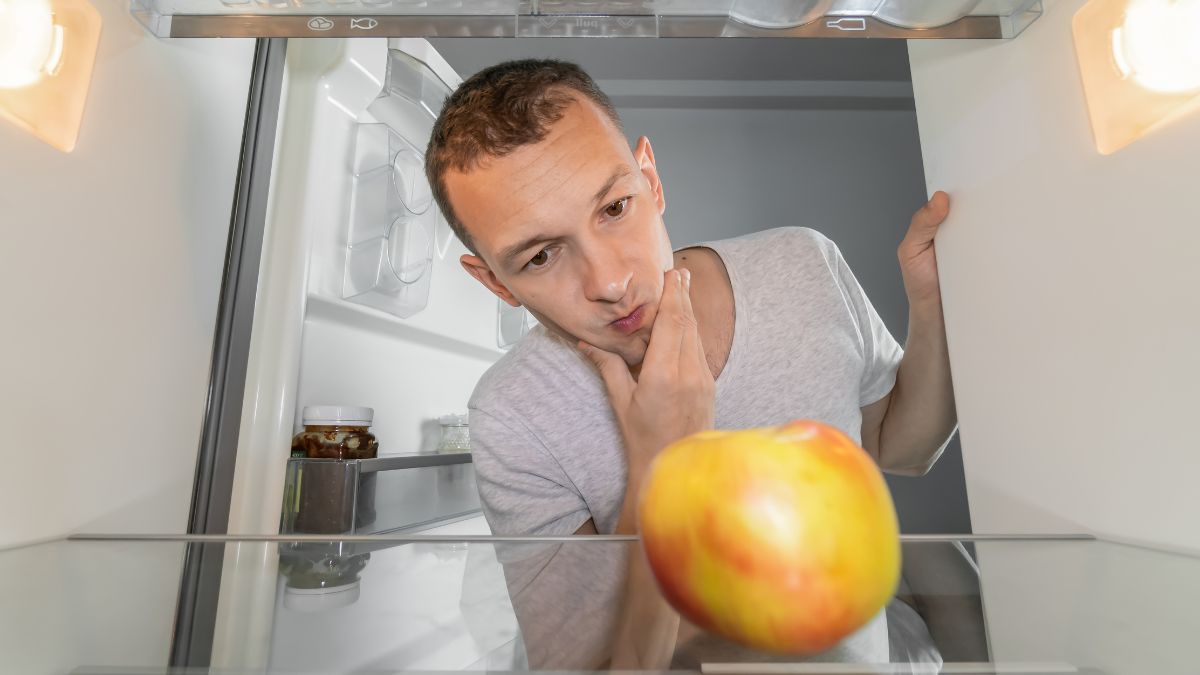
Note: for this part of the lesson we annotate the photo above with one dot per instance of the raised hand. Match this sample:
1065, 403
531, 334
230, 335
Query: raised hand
673, 395
918, 260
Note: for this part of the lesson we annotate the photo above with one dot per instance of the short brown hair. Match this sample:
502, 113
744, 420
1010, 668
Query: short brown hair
498, 110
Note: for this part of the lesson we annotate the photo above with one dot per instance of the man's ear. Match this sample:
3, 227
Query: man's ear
476, 267
644, 154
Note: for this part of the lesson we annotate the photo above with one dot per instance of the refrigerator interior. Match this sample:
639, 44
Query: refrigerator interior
348, 209
348, 179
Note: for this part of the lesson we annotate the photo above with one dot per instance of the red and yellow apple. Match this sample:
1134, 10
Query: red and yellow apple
782, 539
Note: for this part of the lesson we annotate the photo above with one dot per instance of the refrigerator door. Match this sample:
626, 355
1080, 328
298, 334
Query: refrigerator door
1008, 135
360, 301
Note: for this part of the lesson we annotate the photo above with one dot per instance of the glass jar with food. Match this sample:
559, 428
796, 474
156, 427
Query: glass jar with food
332, 495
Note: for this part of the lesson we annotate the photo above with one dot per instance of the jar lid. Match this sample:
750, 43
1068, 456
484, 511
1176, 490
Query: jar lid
343, 415
453, 420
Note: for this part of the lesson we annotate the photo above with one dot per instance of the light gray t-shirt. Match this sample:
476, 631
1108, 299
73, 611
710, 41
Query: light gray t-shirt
807, 344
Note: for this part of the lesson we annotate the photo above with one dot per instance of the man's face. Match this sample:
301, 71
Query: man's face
572, 229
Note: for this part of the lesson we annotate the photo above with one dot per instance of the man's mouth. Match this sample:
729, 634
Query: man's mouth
631, 322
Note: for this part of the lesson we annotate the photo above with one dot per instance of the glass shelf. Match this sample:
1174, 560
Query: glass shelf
404, 604
989, 19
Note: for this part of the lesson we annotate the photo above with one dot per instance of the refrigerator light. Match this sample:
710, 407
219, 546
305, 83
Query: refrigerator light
47, 52
1160, 40
26, 41
1140, 65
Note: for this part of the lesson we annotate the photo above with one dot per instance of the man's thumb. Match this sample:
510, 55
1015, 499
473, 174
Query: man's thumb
927, 219
613, 371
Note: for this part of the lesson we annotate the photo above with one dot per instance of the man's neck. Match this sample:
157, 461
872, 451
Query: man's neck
712, 302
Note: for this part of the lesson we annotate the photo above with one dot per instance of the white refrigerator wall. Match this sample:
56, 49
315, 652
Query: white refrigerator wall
1070, 285
112, 261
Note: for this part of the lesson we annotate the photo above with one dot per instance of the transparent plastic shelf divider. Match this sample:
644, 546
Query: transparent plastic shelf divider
588, 18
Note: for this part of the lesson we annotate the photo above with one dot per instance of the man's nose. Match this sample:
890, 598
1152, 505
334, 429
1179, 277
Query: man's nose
607, 281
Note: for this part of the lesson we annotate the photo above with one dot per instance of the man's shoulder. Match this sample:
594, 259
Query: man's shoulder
778, 241
539, 365
778, 256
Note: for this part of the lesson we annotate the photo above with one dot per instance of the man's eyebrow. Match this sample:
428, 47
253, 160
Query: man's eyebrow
617, 175
510, 252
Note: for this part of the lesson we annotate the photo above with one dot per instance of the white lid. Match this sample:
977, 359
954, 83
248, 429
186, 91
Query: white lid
453, 420
344, 415
319, 599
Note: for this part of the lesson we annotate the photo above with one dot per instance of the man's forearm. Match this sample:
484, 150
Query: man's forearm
647, 627
921, 415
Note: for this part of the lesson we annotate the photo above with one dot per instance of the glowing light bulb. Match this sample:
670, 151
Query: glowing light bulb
1159, 45
1139, 61
29, 41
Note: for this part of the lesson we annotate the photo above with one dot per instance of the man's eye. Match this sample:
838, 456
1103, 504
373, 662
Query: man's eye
615, 209
540, 260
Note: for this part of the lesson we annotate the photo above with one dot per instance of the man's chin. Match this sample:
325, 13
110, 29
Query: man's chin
634, 360
632, 350
633, 354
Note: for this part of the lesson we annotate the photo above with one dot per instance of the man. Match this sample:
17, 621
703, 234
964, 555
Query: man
640, 346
